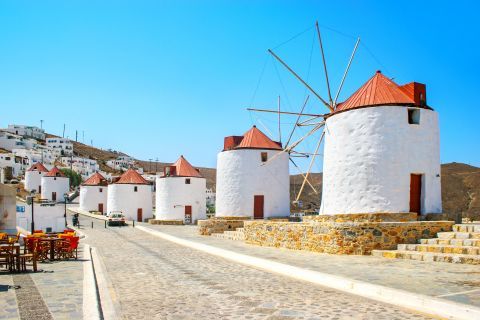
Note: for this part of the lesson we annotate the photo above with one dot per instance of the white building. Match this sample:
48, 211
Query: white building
381, 152
10, 141
121, 163
93, 194
180, 193
131, 195
48, 217
250, 181
16, 165
39, 154
60, 146
33, 177
26, 131
54, 185
210, 197
83, 166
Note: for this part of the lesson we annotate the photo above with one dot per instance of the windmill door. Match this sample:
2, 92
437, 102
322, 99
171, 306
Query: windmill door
258, 207
415, 193
139, 214
54, 196
188, 214
100, 207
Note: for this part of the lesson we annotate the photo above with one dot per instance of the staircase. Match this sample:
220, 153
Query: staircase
462, 245
237, 234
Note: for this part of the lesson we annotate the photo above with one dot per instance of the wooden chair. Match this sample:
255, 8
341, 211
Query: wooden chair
29, 257
70, 248
7, 257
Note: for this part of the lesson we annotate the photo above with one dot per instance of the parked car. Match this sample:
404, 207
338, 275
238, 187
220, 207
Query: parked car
116, 219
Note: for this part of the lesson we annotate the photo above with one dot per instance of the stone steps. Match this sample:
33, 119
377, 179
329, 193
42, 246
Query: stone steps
467, 227
237, 235
439, 248
458, 235
428, 256
452, 242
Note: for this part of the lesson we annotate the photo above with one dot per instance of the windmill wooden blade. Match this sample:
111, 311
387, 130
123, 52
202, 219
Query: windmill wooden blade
305, 178
310, 166
296, 122
324, 64
345, 74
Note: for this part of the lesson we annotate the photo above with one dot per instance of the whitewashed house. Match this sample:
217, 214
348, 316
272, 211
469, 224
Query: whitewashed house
210, 197
10, 141
16, 165
132, 196
83, 166
381, 151
48, 217
26, 131
93, 194
252, 177
33, 177
121, 163
180, 193
60, 146
54, 185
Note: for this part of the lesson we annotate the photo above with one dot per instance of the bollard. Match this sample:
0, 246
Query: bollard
92, 224
105, 224
133, 223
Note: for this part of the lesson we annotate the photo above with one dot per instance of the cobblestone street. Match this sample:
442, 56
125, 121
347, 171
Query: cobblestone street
157, 279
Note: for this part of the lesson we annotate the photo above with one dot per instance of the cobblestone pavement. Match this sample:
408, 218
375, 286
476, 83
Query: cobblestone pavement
157, 279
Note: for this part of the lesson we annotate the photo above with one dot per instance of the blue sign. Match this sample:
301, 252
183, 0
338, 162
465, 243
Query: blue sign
20, 208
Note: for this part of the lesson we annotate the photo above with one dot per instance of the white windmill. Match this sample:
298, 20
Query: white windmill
381, 146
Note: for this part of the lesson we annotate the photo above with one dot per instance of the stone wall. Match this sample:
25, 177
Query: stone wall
348, 237
166, 222
220, 225
364, 217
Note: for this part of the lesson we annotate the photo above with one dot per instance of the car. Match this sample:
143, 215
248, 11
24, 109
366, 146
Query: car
116, 219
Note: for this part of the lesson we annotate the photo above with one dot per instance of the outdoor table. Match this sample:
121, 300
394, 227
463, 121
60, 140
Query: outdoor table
52, 241
17, 253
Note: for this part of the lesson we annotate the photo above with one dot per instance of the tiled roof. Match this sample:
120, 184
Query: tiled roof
379, 90
183, 168
55, 172
131, 177
38, 167
95, 179
256, 139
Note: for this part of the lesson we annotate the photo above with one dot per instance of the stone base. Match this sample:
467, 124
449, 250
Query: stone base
364, 217
220, 225
166, 222
340, 234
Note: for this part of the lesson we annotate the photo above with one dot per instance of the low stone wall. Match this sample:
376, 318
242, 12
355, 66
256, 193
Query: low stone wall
364, 217
348, 237
220, 225
166, 222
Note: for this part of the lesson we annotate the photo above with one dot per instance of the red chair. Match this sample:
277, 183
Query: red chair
71, 249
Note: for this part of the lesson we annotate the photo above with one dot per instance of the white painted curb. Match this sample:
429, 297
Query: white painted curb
90, 303
422, 303
104, 289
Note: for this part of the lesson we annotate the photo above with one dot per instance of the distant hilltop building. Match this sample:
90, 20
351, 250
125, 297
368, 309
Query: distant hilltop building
132, 196
94, 194
121, 163
253, 178
54, 185
26, 131
180, 193
60, 146
381, 151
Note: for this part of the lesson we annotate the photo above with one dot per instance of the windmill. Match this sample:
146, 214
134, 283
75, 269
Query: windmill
315, 122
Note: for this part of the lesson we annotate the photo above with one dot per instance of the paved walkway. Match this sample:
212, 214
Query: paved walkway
54, 293
157, 279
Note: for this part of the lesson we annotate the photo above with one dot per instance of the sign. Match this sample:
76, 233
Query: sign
20, 208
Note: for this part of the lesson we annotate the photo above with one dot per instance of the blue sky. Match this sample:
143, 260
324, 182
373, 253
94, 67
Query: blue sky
160, 79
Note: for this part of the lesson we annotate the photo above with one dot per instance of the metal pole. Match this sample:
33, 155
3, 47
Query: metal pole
65, 214
133, 223
33, 219
92, 224
105, 223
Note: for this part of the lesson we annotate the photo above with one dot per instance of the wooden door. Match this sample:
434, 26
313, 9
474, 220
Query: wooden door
100, 207
139, 214
258, 207
188, 214
54, 196
415, 193
39, 189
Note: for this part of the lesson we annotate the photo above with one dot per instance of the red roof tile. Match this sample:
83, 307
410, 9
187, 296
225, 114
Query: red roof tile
38, 167
131, 177
183, 168
379, 90
95, 179
256, 139
55, 172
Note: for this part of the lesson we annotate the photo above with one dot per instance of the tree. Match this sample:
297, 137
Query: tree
75, 178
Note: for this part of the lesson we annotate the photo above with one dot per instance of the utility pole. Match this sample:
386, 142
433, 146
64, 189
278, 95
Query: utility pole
76, 136
41, 124
156, 162
83, 136
63, 135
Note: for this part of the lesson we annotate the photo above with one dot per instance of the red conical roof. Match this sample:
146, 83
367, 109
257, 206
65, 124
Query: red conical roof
95, 179
379, 90
38, 167
55, 172
256, 139
183, 168
131, 177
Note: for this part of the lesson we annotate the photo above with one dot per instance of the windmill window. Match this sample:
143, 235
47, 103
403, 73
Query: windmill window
135, 189
100, 190
264, 156
413, 116
187, 181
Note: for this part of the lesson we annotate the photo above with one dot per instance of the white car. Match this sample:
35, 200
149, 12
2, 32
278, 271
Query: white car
116, 219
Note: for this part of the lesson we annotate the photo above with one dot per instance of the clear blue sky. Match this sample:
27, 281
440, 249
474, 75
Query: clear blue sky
160, 79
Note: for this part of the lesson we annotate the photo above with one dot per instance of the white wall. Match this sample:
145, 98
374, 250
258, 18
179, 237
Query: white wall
369, 155
173, 195
60, 185
33, 180
121, 197
45, 216
241, 175
90, 197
